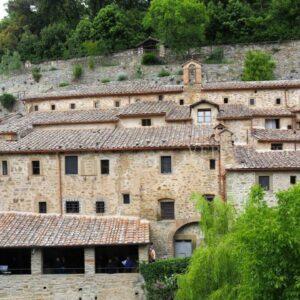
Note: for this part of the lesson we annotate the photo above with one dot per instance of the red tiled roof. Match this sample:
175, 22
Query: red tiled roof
274, 135
33, 230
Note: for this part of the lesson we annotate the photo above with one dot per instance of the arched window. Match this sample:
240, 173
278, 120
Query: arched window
192, 74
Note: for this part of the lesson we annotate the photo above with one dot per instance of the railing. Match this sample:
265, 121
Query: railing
63, 270
115, 270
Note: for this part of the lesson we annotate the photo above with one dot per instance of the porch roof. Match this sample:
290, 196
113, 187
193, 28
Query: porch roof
52, 230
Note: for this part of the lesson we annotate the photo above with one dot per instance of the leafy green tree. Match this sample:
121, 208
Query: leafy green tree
7, 101
253, 255
258, 65
10, 62
180, 24
28, 47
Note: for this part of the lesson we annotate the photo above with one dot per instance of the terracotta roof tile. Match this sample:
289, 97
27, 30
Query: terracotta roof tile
272, 135
33, 230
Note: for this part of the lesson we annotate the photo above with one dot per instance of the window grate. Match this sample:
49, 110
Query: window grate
42, 207
36, 167
100, 207
167, 210
72, 207
104, 166
146, 122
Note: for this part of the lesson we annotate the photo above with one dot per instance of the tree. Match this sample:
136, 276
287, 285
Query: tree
254, 255
10, 62
7, 101
180, 24
28, 47
258, 65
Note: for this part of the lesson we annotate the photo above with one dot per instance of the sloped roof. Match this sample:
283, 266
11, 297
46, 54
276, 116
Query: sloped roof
249, 159
275, 135
35, 230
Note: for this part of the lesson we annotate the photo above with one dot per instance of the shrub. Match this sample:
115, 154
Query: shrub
163, 73
161, 277
91, 63
122, 77
150, 59
10, 62
77, 72
139, 72
36, 74
7, 101
105, 80
216, 56
53, 69
258, 66
62, 84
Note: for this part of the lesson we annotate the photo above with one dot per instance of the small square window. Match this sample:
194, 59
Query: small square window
167, 210
104, 166
209, 197
289, 127
42, 207
126, 198
96, 104
166, 164
100, 207
137, 100
252, 101
146, 122
276, 146
71, 165
4, 168
161, 97
293, 179
36, 108
117, 103
264, 182
72, 106
53, 107
226, 100
36, 170
212, 164
272, 123
181, 102
72, 207
278, 101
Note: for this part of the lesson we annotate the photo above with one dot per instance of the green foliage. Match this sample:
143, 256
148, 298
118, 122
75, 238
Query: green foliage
77, 72
160, 277
258, 66
253, 255
150, 58
139, 72
216, 56
122, 77
91, 63
180, 24
7, 101
63, 84
163, 73
10, 62
28, 47
179, 72
36, 74
105, 80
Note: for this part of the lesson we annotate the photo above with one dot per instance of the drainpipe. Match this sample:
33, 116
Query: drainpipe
60, 184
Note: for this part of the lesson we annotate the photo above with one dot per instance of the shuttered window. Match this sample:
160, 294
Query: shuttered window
167, 210
71, 165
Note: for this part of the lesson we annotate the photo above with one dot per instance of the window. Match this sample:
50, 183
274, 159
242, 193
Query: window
117, 103
36, 108
96, 104
72, 106
167, 210
204, 116
166, 164
161, 97
42, 207
126, 198
209, 197
146, 122
104, 166
53, 107
181, 102
137, 100
100, 207
252, 101
212, 164
4, 167
276, 147
36, 170
293, 179
289, 127
272, 124
264, 182
278, 101
72, 207
226, 100
71, 165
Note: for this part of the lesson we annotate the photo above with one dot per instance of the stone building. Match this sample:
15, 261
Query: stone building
89, 179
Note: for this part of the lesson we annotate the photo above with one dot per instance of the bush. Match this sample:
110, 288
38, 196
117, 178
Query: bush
63, 84
160, 277
77, 72
216, 56
10, 62
122, 77
149, 59
258, 66
91, 63
7, 101
139, 72
105, 80
36, 74
163, 73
